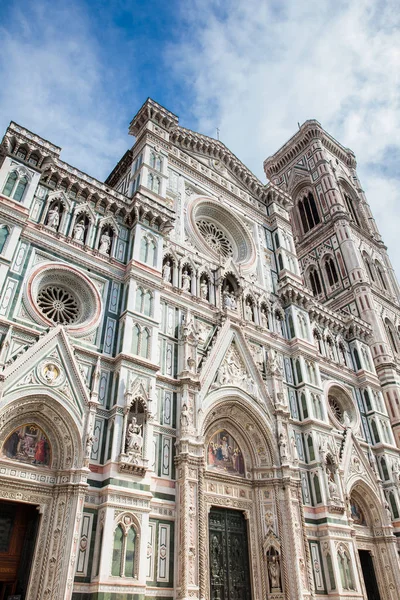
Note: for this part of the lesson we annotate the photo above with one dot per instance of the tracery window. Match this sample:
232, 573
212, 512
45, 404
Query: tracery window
381, 276
331, 271
369, 266
351, 208
124, 551
336, 408
216, 237
308, 212
154, 183
15, 186
58, 304
148, 250
140, 344
393, 506
315, 282
144, 301
391, 335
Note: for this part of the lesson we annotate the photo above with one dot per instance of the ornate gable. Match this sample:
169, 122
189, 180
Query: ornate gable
49, 364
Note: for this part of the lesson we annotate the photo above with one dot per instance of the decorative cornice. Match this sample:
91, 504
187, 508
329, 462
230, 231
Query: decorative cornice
309, 131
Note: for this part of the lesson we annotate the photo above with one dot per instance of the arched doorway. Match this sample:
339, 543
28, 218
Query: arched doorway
373, 541
43, 487
242, 507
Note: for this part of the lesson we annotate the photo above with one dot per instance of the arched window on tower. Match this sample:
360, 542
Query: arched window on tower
381, 275
391, 333
308, 212
350, 204
331, 271
369, 266
315, 282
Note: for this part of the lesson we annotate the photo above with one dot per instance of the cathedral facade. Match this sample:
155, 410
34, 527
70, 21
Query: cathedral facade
199, 386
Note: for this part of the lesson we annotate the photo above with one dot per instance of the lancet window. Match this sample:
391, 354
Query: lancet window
308, 212
15, 186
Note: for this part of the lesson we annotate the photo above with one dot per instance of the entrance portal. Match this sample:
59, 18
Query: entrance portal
229, 556
18, 528
367, 566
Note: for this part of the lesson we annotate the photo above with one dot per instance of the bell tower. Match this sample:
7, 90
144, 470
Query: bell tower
341, 253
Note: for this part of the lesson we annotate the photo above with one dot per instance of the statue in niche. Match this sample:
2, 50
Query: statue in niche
185, 417
105, 243
53, 219
185, 281
203, 289
274, 366
295, 452
264, 319
134, 437
282, 446
79, 232
166, 272
229, 300
248, 311
274, 570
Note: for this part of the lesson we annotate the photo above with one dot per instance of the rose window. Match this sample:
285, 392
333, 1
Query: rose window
336, 408
60, 294
218, 231
58, 304
215, 237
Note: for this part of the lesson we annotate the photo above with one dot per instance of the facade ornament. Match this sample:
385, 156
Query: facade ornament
105, 243
185, 281
295, 452
248, 311
203, 290
233, 371
274, 573
166, 272
229, 300
185, 417
79, 232
53, 219
274, 366
282, 446
133, 437
51, 373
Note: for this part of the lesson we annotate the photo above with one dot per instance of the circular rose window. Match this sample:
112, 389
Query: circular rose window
58, 304
58, 294
341, 408
218, 231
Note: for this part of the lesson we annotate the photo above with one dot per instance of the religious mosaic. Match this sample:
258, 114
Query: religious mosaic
28, 444
224, 454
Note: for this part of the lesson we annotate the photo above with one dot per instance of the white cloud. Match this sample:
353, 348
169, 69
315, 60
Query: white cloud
54, 84
260, 67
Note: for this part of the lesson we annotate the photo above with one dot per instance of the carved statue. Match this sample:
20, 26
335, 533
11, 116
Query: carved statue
133, 438
185, 420
333, 490
203, 290
166, 272
79, 232
53, 219
273, 364
264, 319
248, 311
295, 453
229, 300
105, 243
282, 446
346, 419
273, 571
185, 281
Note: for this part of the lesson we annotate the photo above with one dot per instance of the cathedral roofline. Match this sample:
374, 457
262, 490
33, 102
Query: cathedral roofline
309, 130
151, 110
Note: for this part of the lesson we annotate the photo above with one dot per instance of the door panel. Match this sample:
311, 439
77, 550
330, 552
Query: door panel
229, 558
367, 566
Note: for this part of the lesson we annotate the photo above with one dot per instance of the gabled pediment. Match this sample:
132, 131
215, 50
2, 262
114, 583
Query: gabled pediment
50, 366
355, 464
230, 364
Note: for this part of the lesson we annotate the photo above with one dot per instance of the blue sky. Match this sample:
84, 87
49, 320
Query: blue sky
76, 73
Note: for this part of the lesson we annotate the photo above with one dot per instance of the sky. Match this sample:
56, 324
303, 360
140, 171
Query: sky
77, 72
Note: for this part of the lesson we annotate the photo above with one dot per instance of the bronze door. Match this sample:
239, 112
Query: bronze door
229, 556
